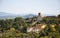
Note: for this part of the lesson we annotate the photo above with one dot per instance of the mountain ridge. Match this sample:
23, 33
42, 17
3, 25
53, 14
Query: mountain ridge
4, 15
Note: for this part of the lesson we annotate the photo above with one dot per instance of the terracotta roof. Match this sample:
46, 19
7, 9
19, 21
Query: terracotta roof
58, 24
39, 26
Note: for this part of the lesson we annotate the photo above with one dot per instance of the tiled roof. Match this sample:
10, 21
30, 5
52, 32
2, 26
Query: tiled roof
39, 26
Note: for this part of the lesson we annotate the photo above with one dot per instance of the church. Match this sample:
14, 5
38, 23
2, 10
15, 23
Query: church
38, 27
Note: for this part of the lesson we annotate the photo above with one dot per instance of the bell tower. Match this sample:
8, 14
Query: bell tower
39, 14
39, 17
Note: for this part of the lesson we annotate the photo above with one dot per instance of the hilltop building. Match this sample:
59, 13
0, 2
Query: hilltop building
38, 27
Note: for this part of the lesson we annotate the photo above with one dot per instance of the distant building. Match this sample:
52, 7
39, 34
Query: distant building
38, 27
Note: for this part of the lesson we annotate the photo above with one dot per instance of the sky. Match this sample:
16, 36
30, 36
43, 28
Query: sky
30, 6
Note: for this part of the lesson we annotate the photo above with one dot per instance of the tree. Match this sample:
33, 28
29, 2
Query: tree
59, 15
16, 25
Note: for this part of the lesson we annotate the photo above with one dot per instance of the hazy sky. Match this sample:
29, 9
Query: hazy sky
30, 6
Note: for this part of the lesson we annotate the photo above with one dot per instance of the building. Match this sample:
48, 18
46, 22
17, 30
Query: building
36, 28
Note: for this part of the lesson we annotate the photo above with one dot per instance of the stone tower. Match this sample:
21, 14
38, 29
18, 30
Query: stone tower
39, 14
39, 17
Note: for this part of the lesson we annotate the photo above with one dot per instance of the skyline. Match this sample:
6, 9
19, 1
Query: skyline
30, 6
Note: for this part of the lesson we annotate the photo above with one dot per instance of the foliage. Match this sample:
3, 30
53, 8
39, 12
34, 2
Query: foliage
16, 28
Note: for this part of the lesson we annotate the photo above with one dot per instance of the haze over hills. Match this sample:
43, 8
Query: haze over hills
4, 15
